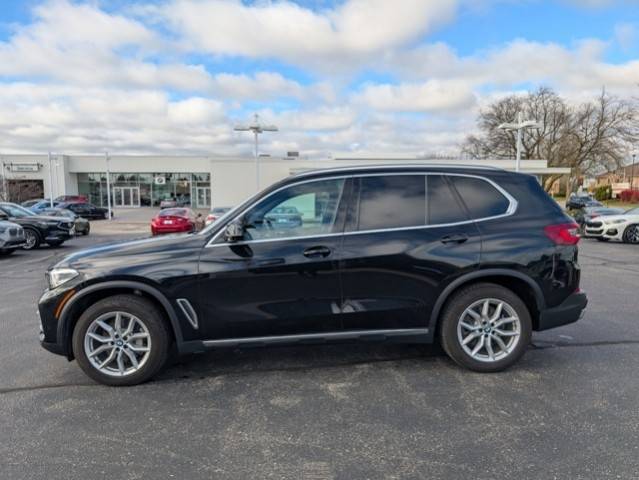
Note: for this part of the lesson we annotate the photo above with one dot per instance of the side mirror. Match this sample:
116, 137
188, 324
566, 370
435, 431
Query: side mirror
234, 232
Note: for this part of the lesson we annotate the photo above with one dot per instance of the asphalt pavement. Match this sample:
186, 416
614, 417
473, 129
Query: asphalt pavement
568, 409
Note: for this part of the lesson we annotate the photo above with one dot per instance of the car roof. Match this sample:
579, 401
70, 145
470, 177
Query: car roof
399, 168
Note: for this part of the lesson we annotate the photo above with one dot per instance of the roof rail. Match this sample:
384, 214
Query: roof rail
316, 170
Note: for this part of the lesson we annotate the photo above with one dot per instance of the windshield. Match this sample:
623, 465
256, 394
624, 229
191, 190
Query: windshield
16, 210
173, 212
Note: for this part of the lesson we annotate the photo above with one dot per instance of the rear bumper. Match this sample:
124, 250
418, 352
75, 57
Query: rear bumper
569, 311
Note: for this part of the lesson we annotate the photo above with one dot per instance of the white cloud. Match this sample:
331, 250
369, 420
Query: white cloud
429, 96
626, 35
354, 30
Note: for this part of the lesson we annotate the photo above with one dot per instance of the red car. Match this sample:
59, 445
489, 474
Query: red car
72, 199
174, 220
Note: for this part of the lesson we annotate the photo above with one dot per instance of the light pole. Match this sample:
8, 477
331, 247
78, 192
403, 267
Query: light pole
519, 126
50, 180
108, 175
256, 128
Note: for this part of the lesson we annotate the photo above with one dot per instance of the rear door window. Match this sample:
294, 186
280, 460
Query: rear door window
480, 197
391, 201
443, 205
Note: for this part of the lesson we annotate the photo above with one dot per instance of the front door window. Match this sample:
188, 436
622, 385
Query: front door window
304, 210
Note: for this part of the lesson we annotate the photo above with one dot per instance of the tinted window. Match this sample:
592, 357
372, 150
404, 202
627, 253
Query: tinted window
394, 201
443, 206
298, 211
480, 197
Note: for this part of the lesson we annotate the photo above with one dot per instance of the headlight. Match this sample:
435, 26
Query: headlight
59, 276
48, 223
617, 221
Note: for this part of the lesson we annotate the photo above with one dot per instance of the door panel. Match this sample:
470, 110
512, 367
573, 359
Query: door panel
392, 277
271, 288
283, 277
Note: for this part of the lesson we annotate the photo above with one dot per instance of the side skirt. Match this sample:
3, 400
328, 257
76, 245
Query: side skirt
408, 335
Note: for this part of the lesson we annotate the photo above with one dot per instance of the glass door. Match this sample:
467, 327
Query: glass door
126, 197
203, 197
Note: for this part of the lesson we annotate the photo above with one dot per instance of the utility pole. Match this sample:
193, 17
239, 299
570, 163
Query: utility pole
256, 128
108, 176
519, 127
50, 180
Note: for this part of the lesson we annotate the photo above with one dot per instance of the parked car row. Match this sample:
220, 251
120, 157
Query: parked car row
603, 223
40, 224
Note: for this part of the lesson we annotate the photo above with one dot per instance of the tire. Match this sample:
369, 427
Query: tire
452, 332
33, 239
631, 234
87, 231
156, 339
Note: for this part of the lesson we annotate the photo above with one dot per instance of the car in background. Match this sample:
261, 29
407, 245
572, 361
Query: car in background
215, 213
174, 220
86, 210
173, 202
11, 237
38, 229
587, 214
581, 200
624, 227
41, 205
72, 199
82, 225
30, 203
284, 217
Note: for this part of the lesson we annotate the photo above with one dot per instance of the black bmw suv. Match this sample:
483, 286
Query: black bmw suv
476, 258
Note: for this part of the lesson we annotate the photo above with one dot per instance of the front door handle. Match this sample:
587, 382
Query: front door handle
315, 252
457, 238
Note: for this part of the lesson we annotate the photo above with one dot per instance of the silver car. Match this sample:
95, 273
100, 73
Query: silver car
11, 237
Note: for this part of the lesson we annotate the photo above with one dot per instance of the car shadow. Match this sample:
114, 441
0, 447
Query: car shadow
248, 361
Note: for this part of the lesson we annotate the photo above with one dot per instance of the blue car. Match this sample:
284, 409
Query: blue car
42, 205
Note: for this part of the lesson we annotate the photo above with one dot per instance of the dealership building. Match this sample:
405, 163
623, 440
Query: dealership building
199, 181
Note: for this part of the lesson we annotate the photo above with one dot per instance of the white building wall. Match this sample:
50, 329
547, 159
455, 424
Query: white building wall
233, 179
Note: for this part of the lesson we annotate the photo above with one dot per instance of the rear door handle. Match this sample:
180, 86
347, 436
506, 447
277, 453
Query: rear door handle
458, 238
315, 252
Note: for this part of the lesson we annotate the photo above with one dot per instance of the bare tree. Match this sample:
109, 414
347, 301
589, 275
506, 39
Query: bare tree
588, 138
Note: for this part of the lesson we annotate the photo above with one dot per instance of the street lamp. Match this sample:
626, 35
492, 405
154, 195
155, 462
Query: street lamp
256, 128
519, 126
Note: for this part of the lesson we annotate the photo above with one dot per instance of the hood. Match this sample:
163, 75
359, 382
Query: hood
128, 254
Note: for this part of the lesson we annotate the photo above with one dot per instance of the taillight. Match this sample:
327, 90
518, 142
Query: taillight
563, 234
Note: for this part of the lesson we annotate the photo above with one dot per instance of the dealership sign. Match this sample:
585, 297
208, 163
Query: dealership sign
24, 167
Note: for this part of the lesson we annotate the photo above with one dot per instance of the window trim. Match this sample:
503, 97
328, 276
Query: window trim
512, 208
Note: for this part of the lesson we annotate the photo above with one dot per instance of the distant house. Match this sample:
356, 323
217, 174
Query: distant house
624, 178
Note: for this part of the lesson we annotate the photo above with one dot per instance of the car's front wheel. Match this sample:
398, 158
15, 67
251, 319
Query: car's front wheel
485, 327
31, 239
121, 340
631, 234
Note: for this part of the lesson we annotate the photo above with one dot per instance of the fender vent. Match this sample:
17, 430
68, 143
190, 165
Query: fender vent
188, 311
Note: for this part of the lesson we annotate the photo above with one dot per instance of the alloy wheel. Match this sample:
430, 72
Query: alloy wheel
117, 344
632, 234
30, 239
489, 330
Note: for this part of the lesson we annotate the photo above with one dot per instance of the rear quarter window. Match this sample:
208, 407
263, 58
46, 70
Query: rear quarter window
481, 198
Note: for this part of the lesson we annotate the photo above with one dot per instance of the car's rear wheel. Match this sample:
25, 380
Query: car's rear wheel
121, 340
631, 234
32, 239
485, 327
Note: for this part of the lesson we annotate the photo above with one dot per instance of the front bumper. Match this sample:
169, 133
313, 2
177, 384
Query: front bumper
569, 311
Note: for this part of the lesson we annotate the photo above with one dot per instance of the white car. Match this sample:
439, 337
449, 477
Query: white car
624, 227
11, 237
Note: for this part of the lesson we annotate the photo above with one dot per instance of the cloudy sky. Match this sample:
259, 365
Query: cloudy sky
406, 76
